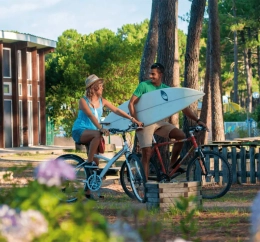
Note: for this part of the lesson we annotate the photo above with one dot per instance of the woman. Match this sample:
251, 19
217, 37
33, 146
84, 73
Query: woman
87, 127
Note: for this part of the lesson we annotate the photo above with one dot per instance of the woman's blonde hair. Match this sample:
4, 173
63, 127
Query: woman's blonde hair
91, 90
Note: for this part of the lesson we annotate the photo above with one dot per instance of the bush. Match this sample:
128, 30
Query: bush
35, 212
237, 116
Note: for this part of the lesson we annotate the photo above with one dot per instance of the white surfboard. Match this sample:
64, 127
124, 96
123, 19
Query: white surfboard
155, 106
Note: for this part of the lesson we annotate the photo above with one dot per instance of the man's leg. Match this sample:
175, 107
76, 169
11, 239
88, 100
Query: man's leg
178, 135
146, 155
145, 137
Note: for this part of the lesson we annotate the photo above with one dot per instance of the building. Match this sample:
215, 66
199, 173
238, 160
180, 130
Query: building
22, 89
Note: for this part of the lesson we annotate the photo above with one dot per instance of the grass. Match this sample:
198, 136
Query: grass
215, 222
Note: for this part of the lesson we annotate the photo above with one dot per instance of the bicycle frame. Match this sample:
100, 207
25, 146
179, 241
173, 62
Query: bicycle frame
124, 151
156, 146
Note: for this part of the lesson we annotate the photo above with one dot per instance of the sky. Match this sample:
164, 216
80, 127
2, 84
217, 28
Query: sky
50, 18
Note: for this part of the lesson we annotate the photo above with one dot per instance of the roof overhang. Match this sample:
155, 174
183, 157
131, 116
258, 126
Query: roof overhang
32, 41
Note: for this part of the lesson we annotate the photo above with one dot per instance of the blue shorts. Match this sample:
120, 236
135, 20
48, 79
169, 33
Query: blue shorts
76, 134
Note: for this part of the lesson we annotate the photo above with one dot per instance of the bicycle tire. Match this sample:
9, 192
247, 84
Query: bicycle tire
137, 177
70, 190
154, 174
219, 180
125, 181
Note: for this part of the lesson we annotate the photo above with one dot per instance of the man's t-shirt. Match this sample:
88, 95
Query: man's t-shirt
147, 86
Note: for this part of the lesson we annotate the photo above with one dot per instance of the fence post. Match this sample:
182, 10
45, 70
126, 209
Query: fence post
234, 163
252, 164
243, 164
258, 165
224, 152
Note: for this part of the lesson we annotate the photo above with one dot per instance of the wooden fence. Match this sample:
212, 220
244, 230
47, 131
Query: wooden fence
243, 158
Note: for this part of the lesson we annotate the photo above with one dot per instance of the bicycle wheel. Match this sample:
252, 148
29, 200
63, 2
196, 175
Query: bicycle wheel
137, 177
219, 178
70, 190
154, 174
125, 181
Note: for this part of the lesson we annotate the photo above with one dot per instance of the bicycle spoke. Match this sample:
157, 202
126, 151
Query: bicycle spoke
70, 190
137, 178
218, 179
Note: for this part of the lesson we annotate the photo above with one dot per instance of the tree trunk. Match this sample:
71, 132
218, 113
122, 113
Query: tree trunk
248, 70
174, 119
258, 66
205, 115
166, 39
215, 68
258, 59
166, 51
235, 97
151, 43
149, 54
192, 56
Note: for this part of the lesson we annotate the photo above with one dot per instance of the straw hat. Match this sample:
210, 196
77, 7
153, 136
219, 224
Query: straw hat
92, 79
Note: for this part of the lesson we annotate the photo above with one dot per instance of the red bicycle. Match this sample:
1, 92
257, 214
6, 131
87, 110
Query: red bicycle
206, 166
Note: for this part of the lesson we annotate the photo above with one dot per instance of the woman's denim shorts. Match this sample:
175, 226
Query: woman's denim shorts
76, 134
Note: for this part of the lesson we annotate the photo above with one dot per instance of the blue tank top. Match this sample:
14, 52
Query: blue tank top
83, 121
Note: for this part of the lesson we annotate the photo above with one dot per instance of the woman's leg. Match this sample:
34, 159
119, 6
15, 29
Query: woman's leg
92, 137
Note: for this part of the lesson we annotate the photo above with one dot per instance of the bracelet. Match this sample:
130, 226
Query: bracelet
198, 120
131, 118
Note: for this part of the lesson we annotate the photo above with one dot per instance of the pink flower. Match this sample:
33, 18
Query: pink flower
53, 172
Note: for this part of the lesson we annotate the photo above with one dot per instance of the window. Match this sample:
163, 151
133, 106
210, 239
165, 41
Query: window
20, 90
29, 65
38, 90
7, 88
7, 62
29, 90
19, 59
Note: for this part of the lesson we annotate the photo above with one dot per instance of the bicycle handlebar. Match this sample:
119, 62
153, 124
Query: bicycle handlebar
197, 128
131, 126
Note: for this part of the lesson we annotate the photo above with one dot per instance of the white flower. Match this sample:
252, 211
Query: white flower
255, 215
23, 226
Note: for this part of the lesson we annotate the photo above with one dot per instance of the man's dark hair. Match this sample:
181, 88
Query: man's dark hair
158, 66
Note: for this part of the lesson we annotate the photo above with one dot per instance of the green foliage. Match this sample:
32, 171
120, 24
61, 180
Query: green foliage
236, 116
242, 133
246, 18
115, 57
77, 222
188, 224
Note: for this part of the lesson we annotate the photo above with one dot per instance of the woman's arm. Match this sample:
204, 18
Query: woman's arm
120, 112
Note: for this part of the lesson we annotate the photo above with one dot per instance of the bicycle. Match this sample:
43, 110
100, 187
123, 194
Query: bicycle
208, 167
87, 177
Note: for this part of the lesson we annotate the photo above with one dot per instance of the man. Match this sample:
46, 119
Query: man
160, 128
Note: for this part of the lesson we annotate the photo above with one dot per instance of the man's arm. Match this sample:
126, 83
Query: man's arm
131, 106
188, 112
